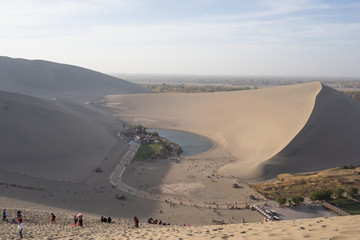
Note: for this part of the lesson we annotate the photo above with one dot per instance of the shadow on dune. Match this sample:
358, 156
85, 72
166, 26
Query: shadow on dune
329, 138
50, 151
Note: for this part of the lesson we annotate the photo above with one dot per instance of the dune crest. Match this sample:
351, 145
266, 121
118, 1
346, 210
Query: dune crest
46, 79
252, 125
329, 138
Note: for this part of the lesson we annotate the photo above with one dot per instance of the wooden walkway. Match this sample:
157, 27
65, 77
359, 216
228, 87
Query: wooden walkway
334, 209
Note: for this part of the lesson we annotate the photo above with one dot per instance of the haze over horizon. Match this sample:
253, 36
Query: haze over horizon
265, 37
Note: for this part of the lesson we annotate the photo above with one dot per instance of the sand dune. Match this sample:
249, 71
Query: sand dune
48, 79
37, 226
329, 138
45, 142
53, 139
291, 128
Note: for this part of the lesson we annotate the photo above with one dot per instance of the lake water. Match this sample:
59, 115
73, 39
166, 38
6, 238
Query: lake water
190, 143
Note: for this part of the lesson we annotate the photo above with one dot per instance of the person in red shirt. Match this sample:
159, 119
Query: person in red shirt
136, 222
52, 218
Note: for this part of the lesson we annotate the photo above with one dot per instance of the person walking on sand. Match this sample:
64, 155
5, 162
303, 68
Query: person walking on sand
20, 226
136, 222
18, 214
4, 215
52, 218
75, 220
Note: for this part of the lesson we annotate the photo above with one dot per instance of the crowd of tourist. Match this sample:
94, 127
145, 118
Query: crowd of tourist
78, 220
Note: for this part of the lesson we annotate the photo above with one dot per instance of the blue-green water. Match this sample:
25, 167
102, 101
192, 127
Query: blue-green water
190, 143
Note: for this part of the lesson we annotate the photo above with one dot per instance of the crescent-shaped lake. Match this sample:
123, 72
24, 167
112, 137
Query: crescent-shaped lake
191, 143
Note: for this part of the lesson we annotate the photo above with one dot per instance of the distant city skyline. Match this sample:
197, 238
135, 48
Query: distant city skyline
210, 37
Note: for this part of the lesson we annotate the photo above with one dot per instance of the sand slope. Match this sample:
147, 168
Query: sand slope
257, 125
37, 226
329, 139
53, 139
48, 79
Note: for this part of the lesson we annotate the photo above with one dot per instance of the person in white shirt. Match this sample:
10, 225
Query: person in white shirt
20, 226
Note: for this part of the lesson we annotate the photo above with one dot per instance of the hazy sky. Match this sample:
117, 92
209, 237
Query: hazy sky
246, 37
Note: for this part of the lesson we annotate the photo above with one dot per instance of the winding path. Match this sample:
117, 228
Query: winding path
116, 181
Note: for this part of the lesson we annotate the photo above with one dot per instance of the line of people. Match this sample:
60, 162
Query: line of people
156, 222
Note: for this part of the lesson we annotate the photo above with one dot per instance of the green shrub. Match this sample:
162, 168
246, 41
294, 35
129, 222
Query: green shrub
147, 151
155, 134
338, 193
297, 200
352, 191
281, 201
321, 195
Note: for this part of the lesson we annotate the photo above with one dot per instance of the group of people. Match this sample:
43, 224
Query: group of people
156, 222
13, 220
104, 219
78, 219
17, 220
136, 221
109, 220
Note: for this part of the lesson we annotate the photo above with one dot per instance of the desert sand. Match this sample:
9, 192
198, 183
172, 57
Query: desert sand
37, 226
296, 128
52, 148
49, 161
60, 139
47, 79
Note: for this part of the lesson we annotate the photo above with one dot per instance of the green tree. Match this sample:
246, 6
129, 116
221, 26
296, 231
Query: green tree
297, 200
320, 195
352, 191
281, 201
338, 193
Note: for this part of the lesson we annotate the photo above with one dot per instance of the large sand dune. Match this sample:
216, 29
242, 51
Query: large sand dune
329, 139
48, 79
53, 139
285, 129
